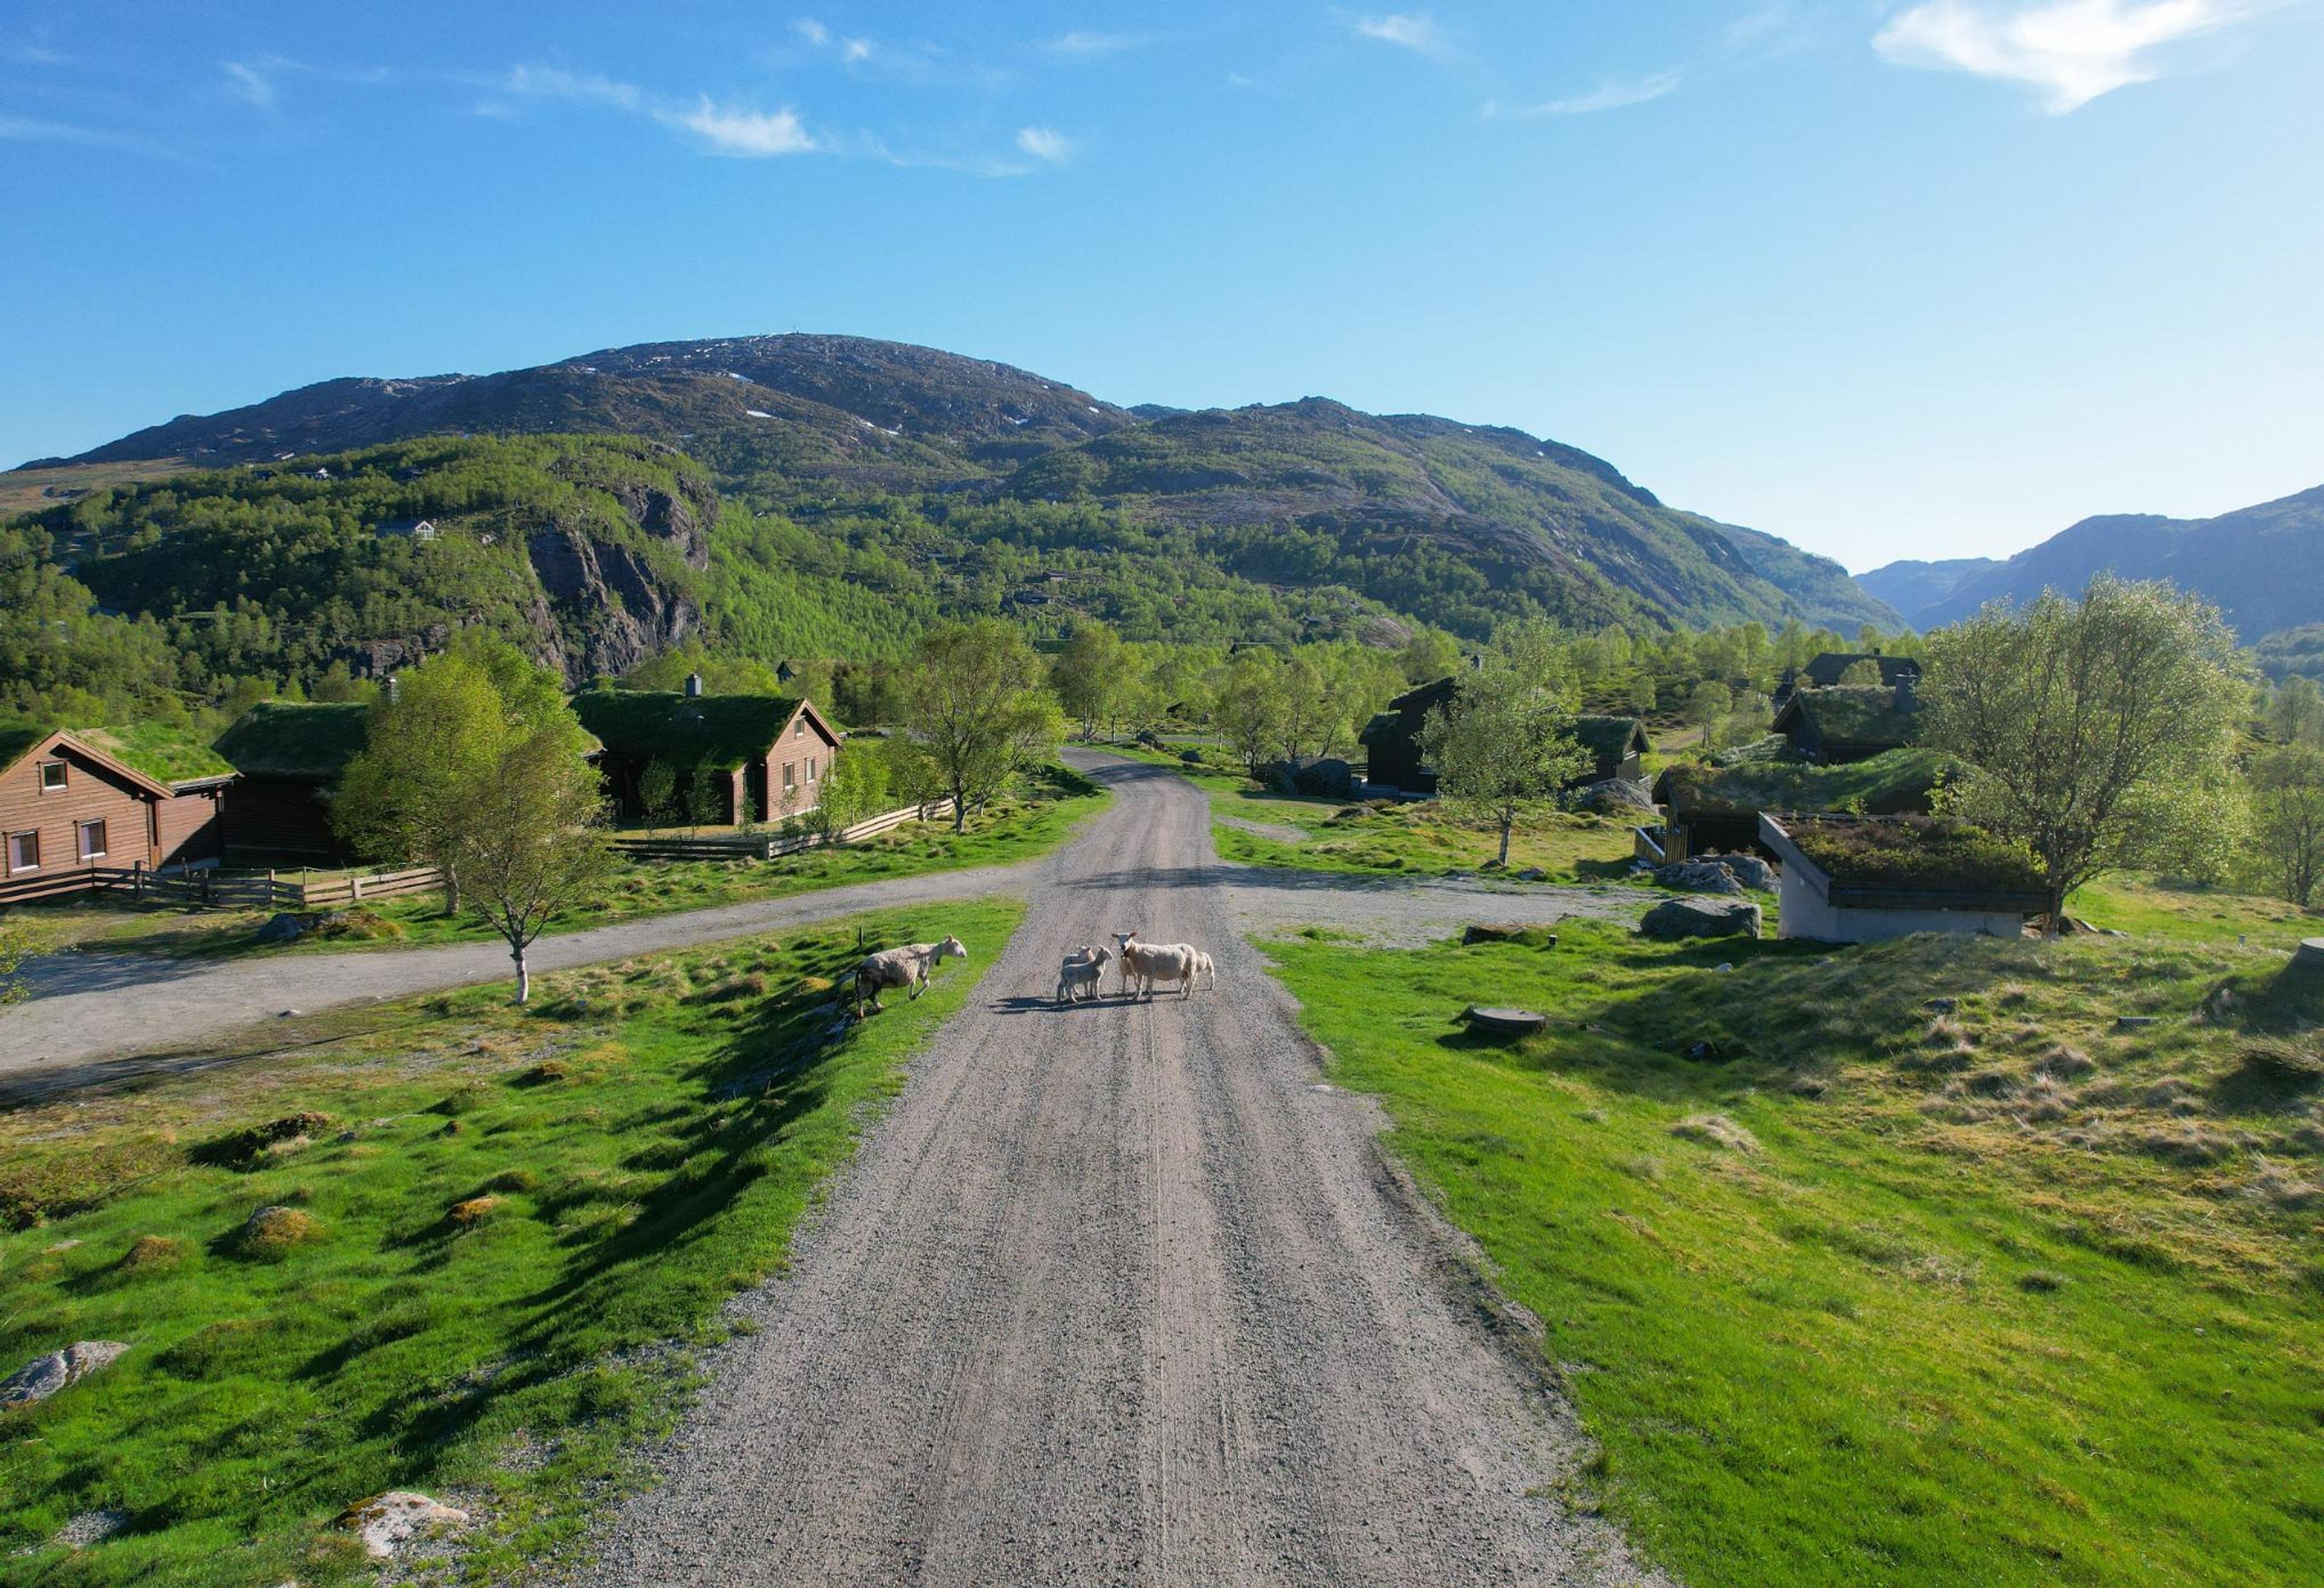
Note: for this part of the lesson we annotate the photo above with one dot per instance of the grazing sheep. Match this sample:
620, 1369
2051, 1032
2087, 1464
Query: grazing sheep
1084, 969
1149, 962
907, 966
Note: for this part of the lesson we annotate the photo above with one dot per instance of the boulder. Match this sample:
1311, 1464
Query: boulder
1328, 779
1538, 934
1613, 797
1533, 873
281, 928
1698, 876
387, 1520
1748, 869
1701, 917
1192, 755
43, 1376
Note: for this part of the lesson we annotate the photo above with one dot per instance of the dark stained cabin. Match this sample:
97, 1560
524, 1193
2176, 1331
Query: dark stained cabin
765, 756
290, 758
1851, 722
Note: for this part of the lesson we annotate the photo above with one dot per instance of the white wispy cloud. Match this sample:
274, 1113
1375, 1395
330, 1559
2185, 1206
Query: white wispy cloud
1083, 44
551, 82
749, 135
1046, 143
849, 50
1609, 96
247, 83
1409, 30
2071, 51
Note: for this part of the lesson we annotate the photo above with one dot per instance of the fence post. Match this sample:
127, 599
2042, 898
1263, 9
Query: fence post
139, 882
355, 891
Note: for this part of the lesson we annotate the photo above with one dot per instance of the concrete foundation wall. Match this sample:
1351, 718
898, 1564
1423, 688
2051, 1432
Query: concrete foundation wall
1805, 914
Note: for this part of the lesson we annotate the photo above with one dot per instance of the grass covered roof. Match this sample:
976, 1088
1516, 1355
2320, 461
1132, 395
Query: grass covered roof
282, 739
1858, 715
165, 754
720, 731
1609, 738
1900, 780
1915, 854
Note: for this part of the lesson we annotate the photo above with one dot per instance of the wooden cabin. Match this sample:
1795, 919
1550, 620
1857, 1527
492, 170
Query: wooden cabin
1850, 722
288, 757
766, 756
1617, 747
76, 801
1391, 740
1828, 668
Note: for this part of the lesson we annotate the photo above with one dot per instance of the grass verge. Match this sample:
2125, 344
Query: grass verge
1033, 819
2003, 1292
510, 1228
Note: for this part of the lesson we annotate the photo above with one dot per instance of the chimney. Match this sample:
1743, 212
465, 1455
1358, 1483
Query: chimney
693, 686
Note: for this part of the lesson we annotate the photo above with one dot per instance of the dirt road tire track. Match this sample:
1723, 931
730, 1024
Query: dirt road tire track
1121, 1294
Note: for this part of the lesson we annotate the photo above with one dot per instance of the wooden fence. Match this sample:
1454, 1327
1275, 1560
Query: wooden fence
775, 845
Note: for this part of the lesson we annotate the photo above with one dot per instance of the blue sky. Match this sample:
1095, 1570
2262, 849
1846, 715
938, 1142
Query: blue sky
1890, 278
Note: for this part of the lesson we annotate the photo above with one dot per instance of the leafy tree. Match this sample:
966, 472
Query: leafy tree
706, 800
2098, 732
1707, 705
405, 797
658, 793
1429, 655
1090, 675
2288, 819
2295, 712
974, 697
534, 842
1864, 674
1502, 746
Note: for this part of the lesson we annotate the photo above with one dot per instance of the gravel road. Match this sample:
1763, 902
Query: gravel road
1123, 1294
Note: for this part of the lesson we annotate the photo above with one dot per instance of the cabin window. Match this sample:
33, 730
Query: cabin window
790, 775
24, 852
52, 777
810, 768
92, 839
799, 729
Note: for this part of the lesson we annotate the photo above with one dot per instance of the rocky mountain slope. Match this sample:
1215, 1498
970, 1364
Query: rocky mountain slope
2263, 565
1454, 524
1912, 586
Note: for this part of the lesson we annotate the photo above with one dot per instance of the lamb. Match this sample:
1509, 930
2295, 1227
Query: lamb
1160, 962
907, 966
1084, 969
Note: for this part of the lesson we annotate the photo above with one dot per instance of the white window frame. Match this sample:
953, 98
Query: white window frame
80, 838
14, 869
64, 777
810, 772
790, 775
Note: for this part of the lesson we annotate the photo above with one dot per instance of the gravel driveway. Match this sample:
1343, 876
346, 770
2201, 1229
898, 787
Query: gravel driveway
1123, 1293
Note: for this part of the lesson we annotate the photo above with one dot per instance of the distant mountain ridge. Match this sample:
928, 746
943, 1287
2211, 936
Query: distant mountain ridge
2264, 566
1912, 586
1451, 523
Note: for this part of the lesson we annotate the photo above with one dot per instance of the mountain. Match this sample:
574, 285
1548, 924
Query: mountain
1913, 587
954, 481
2264, 566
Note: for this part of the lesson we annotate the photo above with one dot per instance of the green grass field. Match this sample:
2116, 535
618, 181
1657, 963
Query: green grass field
2008, 1295
1042, 813
512, 1227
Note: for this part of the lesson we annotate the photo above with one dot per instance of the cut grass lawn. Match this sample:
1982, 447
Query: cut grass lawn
2011, 1294
518, 1223
1037, 818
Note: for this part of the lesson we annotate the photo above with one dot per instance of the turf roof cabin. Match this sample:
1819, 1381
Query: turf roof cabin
1715, 809
1850, 722
1849, 879
75, 800
1391, 742
1831, 667
766, 756
290, 758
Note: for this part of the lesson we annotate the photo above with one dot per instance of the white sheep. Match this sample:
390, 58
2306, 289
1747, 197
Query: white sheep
1149, 962
907, 966
1080, 969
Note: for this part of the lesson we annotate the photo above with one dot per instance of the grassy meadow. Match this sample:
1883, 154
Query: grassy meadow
1041, 814
2003, 1292
499, 1234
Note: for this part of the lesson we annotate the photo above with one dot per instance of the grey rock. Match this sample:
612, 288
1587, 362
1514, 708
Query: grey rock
1675, 919
1533, 873
1329, 779
1698, 876
1748, 869
384, 1522
43, 1376
281, 927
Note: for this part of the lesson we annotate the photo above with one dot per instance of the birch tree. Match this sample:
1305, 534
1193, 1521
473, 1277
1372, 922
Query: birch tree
975, 700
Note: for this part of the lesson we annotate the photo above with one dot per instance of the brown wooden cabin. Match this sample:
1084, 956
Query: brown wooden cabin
766, 755
72, 802
1617, 747
288, 757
